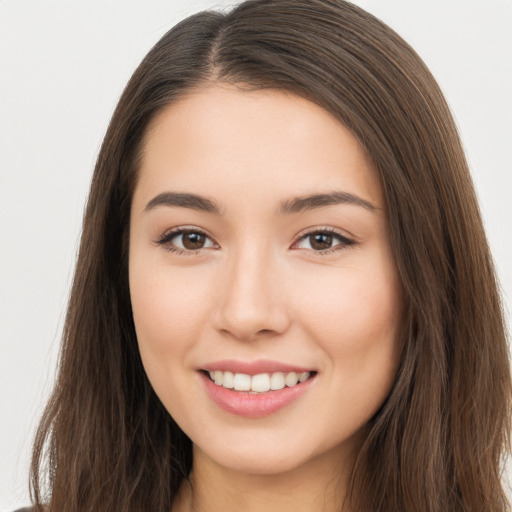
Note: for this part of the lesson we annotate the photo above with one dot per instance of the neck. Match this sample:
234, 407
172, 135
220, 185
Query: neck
319, 485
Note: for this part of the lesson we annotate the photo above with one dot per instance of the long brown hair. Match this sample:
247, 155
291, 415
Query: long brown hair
106, 443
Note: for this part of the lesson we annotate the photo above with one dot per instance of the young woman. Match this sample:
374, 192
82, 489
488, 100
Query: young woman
284, 298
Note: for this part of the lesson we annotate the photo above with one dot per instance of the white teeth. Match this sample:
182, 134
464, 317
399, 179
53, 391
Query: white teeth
228, 381
260, 383
242, 382
291, 379
277, 381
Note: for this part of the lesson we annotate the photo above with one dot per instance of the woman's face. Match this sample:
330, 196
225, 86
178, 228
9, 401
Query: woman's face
259, 252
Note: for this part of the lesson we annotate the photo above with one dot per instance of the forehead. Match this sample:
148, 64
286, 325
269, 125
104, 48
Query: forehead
240, 144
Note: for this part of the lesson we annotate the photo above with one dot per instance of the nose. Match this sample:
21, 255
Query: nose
252, 302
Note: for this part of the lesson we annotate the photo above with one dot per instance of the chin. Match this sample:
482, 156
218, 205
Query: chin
255, 461
270, 456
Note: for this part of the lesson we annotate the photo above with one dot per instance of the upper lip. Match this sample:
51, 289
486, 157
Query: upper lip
254, 367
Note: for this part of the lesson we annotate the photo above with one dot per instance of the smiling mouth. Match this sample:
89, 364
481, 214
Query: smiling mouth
260, 383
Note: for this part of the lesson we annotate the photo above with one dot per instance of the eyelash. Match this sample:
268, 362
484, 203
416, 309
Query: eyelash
344, 242
165, 240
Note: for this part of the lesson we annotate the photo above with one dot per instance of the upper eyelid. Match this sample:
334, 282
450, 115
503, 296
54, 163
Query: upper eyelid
184, 229
307, 231
326, 229
320, 229
172, 232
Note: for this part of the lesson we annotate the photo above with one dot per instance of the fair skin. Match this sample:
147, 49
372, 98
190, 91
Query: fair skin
311, 287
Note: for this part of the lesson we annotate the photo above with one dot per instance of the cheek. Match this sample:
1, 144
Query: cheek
358, 327
168, 320
169, 311
356, 306
166, 301
356, 318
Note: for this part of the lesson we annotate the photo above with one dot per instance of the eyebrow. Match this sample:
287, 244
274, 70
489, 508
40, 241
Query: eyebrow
184, 200
304, 203
287, 207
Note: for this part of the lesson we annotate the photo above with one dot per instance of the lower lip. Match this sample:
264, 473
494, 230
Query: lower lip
243, 403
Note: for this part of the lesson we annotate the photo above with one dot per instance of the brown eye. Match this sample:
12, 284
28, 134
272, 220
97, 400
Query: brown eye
320, 241
186, 241
193, 241
324, 241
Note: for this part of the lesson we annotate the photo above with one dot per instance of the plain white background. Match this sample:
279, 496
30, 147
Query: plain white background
63, 65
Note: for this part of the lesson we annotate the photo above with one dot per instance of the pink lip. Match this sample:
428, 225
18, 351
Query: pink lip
253, 367
255, 405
